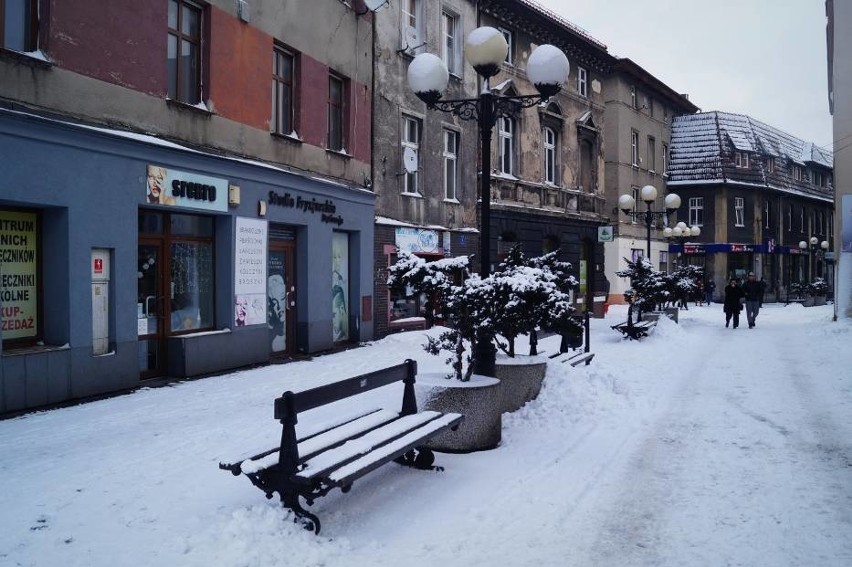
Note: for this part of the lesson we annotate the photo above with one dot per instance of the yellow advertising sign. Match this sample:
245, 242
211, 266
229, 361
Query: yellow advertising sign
18, 283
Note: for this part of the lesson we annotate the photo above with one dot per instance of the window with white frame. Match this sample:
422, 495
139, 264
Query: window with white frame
739, 211
636, 254
665, 159
652, 154
636, 193
767, 213
802, 219
549, 143
741, 160
411, 32
664, 261
819, 179
506, 141
510, 41
450, 44
411, 127
770, 165
696, 211
582, 82
451, 164
19, 25
634, 147
797, 173
634, 99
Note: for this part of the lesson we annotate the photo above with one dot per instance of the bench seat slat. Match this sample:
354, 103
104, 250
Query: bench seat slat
339, 456
313, 445
312, 431
374, 459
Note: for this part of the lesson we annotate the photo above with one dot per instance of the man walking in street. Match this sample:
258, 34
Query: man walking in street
752, 291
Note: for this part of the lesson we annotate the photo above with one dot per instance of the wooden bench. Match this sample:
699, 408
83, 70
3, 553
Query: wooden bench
342, 452
574, 359
635, 331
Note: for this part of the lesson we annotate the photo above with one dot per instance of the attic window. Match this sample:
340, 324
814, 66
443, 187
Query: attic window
741, 160
797, 173
770, 165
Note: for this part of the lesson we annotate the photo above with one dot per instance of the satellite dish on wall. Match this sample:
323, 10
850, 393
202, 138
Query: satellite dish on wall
409, 160
411, 39
375, 5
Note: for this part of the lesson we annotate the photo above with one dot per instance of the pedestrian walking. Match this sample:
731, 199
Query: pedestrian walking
710, 288
752, 291
733, 303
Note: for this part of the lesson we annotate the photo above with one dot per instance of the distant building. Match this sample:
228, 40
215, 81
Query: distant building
639, 113
756, 193
547, 183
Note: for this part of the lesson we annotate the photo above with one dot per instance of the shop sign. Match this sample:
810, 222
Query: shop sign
326, 208
175, 188
742, 248
18, 282
604, 234
693, 249
417, 240
250, 272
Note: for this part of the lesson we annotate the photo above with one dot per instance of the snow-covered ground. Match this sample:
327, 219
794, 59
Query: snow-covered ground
699, 445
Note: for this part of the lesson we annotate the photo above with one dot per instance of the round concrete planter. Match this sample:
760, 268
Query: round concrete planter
520, 379
479, 400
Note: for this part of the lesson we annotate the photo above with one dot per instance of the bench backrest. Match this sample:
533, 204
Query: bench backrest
294, 402
290, 404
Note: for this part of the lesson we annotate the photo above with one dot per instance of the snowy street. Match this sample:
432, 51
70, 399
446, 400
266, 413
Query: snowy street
698, 445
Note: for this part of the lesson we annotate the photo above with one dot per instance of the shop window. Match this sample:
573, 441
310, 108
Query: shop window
340, 286
184, 51
178, 251
549, 244
19, 25
19, 277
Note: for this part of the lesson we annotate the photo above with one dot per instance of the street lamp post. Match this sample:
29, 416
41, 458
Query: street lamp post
816, 247
648, 194
681, 233
485, 50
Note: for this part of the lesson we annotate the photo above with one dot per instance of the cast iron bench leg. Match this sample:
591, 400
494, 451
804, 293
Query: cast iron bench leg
306, 519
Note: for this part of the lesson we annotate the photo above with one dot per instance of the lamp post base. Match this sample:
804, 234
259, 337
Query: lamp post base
486, 356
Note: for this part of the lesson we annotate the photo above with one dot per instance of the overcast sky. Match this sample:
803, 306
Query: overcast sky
763, 58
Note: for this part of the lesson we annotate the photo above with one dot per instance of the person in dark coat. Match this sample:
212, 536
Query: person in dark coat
753, 292
710, 287
732, 304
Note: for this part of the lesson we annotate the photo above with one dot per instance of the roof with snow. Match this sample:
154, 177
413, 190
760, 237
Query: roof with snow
704, 146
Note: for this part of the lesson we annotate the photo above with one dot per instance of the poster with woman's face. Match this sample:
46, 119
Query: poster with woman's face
276, 297
340, 286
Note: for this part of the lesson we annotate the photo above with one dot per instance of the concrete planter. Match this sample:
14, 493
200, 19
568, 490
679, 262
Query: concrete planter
670, 312
819, 300
479, 400
520, 379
